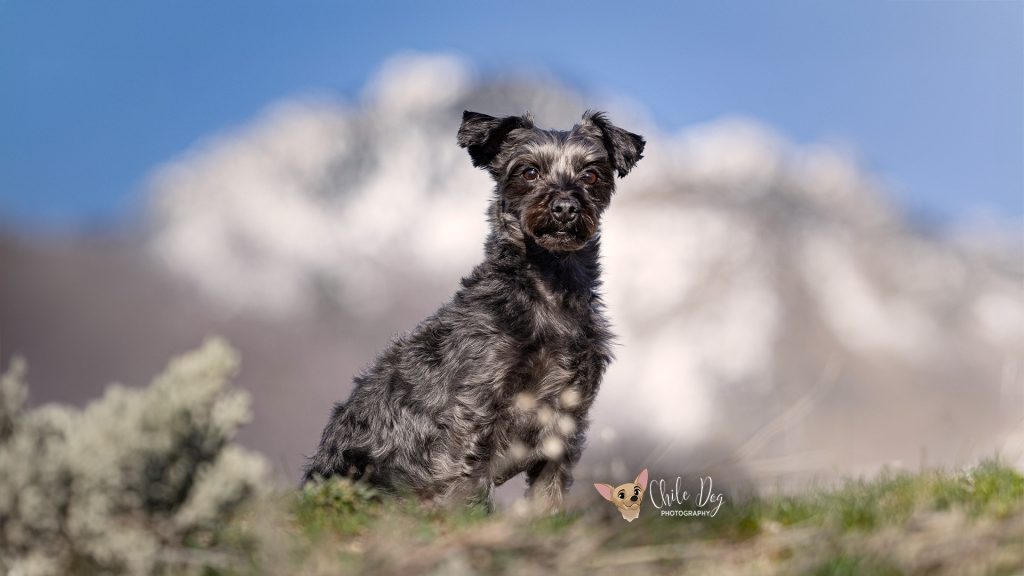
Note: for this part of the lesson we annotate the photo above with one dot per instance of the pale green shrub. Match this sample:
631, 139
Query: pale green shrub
138, 482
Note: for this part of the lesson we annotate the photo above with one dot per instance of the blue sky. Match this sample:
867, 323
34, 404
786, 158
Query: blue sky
929, 93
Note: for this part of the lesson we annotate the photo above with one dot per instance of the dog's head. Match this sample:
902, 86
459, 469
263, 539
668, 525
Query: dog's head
626, 497
554, 183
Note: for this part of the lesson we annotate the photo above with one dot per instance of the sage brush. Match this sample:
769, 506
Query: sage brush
136, 483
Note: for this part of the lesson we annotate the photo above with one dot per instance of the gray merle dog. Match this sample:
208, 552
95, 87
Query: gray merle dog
499, 381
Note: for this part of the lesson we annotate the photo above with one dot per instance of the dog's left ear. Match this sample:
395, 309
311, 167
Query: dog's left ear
482, 135
641, 479
624, 148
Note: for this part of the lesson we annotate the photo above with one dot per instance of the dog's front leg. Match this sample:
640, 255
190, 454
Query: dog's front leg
469, 490
547, 481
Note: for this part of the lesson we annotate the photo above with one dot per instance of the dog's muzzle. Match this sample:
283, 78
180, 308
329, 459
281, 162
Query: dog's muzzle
564, 209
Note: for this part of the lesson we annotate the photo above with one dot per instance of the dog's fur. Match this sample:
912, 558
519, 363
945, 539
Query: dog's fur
500, 379
627, 498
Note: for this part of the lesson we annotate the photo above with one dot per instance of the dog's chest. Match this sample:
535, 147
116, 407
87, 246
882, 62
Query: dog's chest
547, 372
560, 350
557, 342
554, 373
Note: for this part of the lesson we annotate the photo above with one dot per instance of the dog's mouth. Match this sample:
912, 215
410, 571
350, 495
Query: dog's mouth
555, 236
560, 241
562, 238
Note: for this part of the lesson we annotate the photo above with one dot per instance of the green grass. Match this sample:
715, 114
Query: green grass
342, 508
933, 522
843, 565
989, 490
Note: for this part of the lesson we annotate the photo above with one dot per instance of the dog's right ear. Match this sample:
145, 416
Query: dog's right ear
605, 490
625, 149
482, 135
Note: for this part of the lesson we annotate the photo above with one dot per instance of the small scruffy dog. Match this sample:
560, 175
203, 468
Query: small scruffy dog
500, 379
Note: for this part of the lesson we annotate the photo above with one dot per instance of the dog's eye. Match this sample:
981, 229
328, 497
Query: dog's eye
589, 178
531, 173
636, 491
622, 495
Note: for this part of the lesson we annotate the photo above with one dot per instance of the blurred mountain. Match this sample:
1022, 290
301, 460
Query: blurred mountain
776, 316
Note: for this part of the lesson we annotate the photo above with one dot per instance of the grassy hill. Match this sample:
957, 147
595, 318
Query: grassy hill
933, 522
149, 480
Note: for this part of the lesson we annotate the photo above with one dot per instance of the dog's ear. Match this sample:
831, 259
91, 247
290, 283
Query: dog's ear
641, 479
624, 148
605, 490
482, 135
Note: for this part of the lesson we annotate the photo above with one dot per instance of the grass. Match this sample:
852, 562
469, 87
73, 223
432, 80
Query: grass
933, 522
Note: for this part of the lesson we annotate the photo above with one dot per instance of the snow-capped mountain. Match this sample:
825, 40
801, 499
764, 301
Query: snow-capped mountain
773, 310
743, 272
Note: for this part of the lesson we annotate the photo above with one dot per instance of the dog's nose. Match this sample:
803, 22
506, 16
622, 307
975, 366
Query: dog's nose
633, 498
564, 209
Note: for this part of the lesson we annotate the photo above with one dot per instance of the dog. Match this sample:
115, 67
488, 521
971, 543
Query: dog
500, 379
627, 498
